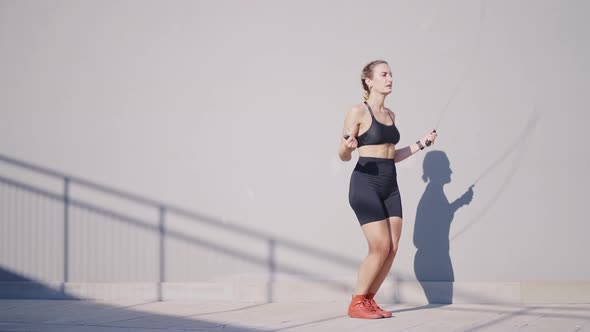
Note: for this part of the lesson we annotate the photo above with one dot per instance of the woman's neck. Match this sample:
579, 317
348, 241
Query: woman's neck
376, 101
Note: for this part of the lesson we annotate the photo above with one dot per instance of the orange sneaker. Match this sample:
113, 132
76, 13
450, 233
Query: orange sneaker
385, 314
360, 307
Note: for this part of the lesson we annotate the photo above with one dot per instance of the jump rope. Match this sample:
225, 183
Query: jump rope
444, 111
520, 139
428, 142
455, 91
465, 74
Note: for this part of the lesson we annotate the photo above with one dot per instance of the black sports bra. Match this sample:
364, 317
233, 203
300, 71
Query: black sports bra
378, 133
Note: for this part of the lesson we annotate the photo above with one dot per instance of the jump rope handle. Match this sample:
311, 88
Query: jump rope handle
428, 142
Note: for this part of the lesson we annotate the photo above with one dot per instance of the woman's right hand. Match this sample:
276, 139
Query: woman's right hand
350, 143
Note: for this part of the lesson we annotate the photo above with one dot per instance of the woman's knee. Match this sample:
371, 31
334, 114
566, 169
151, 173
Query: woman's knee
392, 251
381, 249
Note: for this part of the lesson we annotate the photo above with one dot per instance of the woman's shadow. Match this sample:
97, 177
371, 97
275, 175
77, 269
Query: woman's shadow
432, 263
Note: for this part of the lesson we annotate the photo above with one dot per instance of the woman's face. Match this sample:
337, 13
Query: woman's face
382, 80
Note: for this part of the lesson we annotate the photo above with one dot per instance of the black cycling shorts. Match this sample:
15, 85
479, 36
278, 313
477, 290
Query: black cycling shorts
373, 193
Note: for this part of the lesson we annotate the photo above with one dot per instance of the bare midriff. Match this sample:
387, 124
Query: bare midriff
386, 151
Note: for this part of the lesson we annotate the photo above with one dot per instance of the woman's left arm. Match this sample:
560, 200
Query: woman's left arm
409, 150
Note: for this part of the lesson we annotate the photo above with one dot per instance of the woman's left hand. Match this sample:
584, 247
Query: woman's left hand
430, 137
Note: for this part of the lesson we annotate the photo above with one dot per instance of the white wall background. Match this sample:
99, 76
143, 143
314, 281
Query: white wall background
233, 110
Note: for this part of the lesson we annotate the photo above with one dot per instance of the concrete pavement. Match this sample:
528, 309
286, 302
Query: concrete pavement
94, 316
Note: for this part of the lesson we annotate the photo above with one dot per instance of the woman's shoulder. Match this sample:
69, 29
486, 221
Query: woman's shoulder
358, 109
357, 112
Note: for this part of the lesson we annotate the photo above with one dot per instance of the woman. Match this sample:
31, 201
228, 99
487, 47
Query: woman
374, 195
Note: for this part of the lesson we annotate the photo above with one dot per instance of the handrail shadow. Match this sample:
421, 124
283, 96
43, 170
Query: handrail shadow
164, 211
51, 315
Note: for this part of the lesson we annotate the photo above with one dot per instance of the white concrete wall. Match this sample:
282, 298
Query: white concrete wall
232, 110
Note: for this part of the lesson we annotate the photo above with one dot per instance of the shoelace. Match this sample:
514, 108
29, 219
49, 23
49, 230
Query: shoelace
365, 303
375, 305
369, 303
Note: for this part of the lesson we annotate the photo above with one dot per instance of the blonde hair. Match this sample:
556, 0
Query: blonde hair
367, 72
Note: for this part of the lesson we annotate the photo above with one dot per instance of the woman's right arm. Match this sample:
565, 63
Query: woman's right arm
350, 129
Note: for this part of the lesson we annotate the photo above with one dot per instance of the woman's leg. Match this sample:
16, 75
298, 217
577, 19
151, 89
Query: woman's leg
394, 231
379, 240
